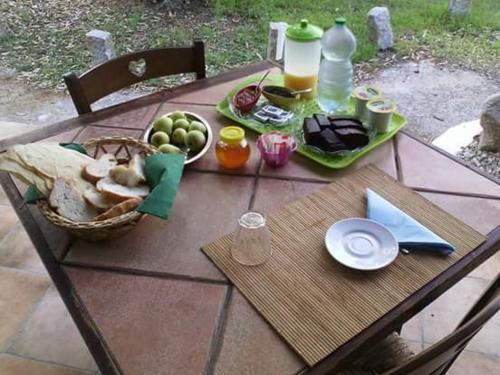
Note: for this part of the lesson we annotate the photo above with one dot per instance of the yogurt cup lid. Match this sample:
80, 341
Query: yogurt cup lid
366, 92
381, 105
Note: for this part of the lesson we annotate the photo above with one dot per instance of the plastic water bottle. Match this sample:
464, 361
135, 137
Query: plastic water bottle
335, 73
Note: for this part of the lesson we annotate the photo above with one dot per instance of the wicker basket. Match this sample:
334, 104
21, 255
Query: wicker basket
124, 148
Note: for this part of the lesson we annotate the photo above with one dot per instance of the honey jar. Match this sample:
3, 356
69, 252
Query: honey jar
232, 150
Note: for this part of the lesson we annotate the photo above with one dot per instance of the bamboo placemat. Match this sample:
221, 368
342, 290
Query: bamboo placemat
312, 301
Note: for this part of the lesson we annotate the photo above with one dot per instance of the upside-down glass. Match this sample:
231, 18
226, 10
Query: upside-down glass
252, 240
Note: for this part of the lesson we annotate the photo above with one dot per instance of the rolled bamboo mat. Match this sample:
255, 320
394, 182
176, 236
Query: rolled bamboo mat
312, 301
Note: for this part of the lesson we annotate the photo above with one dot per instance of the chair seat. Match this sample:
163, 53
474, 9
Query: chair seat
386, 354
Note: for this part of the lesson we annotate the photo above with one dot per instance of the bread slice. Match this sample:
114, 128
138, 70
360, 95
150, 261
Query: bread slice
51, 161
133, 175
120, 209
94, 198
98, 169
118, 193
68, 202
137, 164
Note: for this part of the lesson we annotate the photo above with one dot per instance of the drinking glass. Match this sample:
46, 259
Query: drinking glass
252, 240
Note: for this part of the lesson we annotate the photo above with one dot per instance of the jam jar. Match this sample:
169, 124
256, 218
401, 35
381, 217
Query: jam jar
232, 149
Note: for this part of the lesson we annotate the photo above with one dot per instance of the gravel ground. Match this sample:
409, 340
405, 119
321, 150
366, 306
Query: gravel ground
487, 161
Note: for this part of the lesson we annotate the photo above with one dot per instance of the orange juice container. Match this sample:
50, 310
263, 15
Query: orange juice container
302, 57
232, 150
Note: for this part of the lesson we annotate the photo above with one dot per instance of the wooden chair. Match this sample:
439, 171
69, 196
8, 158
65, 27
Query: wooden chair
131, 68
438, 358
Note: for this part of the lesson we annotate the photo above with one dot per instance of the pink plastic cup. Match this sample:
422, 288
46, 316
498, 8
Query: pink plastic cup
276, 148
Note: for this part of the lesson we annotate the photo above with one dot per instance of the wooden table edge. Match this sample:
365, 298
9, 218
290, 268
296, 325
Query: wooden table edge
411, 306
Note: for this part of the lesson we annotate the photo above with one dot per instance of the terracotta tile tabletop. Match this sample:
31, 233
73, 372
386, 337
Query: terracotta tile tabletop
151, 302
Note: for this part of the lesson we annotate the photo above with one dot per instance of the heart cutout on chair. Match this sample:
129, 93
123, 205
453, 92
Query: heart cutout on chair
137, 68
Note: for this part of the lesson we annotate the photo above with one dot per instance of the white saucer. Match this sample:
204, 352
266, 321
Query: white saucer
361, 244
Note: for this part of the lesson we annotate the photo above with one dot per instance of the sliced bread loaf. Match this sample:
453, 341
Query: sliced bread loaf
117, 193
133, 175
120, 209
98, 169
95, 199
68, 202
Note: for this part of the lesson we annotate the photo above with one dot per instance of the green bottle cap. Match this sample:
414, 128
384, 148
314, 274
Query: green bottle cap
340, 21
304, 32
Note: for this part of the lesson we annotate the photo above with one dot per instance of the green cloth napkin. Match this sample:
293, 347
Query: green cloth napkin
163, 174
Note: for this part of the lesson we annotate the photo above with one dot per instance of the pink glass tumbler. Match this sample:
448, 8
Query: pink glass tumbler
276, 148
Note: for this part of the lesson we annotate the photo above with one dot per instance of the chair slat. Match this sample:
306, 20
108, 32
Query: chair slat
126, 70
438, 358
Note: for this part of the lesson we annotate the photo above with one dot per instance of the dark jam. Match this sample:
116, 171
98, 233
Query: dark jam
246, 97
280, 91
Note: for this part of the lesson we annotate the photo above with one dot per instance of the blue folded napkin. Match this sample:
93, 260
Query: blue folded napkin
410, 233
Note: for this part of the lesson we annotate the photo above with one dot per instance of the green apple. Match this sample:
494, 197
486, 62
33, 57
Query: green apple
164, 124
170, 149
181, 123
160, 138
177, 115
179, 136
195, 140
197, 125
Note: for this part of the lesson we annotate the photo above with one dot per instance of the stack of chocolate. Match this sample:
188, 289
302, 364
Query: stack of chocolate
334, 133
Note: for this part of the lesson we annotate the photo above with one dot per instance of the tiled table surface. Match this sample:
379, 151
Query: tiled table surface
157, 300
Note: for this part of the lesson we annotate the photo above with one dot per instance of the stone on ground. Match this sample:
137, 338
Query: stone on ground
379, 27
456, 138
490, 122
459, 7
485, 160
100, 44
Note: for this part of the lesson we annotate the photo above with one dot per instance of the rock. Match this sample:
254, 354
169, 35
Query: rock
7, 73
44, 117
100, 44
459, 7
4, 32
490, 122
276, 41
379, 27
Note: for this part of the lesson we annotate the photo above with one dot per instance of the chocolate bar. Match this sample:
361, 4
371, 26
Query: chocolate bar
335, 133
330, 142
352, 136
311, 131
322, 120
343, 121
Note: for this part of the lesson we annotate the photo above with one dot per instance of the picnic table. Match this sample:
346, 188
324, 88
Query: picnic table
150, 302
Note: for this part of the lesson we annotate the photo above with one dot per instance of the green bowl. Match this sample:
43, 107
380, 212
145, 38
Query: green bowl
284, 102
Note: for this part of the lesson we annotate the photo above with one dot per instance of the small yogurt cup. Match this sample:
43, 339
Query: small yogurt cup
276, 148
380, 113
363, 95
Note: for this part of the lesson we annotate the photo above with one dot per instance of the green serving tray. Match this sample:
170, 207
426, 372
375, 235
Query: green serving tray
310, 107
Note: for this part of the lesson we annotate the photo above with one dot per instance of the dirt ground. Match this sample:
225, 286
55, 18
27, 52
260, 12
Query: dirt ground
433, 97
22, 103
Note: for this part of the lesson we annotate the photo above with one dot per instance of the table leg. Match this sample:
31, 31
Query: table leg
87, 328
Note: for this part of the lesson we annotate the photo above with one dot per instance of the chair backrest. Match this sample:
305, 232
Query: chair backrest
438, 358
131, 68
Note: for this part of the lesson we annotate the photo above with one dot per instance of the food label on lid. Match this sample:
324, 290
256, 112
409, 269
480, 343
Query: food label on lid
381, 105
367, 92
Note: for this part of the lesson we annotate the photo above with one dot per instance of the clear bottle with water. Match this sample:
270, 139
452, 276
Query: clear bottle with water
335, 73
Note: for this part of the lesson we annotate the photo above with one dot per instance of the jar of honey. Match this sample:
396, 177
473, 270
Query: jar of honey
232, 149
